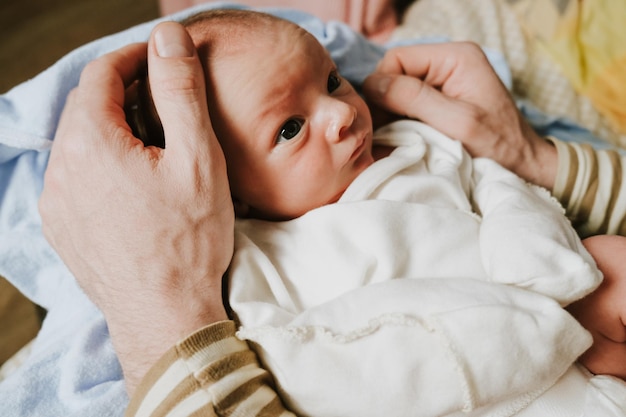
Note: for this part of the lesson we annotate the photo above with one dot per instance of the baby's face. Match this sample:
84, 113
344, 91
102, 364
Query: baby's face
294, 133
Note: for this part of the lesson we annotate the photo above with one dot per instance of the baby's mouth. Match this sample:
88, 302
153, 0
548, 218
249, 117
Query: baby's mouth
359, 149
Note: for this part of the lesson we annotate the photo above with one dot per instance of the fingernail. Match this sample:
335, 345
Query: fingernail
172, 41
382, 84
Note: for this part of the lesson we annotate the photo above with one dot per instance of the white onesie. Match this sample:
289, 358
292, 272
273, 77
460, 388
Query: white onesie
486, 256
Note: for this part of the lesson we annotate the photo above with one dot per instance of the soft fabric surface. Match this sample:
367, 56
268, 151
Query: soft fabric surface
72, 370
401, 284
587, 41
503, 25
373, 18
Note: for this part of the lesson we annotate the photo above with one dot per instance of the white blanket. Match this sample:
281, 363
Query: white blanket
323, 299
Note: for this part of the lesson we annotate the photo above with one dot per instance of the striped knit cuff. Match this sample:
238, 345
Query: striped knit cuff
208, 374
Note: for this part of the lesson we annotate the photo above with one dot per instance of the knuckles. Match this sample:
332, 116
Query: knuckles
180, 84
468, 51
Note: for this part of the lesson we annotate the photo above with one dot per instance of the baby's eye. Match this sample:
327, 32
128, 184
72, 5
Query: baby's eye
334, 81
289, 130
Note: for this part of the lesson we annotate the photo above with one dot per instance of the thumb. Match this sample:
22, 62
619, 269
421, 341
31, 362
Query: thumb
414, 98
178, 87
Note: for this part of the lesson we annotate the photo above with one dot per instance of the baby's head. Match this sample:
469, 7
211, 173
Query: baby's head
294, 133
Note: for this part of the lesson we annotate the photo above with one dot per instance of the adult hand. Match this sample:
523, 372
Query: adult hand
147, 232
453, 88
603, 311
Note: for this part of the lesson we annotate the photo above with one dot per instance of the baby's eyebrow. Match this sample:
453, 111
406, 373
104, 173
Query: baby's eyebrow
271, 104
267, 117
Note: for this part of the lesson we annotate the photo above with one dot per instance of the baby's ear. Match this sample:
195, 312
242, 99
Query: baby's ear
242, 210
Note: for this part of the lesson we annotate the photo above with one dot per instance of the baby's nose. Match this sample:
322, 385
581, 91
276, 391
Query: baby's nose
342, 117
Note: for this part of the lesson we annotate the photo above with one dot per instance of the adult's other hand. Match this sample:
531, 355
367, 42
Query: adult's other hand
452, 87
147, 232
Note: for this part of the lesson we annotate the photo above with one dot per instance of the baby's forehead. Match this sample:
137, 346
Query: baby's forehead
251, 61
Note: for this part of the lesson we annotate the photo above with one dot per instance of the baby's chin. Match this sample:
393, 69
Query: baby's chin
281, 214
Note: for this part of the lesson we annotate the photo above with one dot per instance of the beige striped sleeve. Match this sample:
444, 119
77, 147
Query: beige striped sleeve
590, 186
211, 373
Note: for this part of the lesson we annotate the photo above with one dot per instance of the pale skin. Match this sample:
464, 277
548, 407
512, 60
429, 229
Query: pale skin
419, 81
95, 155
283, 108
162, 220
329, 122
301, 119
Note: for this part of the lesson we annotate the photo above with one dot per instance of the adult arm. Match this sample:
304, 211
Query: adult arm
148, 232
141, 228
591, 187
453, 88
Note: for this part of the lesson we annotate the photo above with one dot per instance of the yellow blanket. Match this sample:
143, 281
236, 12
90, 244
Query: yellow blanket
547, 49
587, 39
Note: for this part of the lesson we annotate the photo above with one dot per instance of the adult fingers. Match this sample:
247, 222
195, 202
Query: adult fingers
438, 64
97, 104
108, 76
178, 88
450, 86
411, 97
453, 87
193, 160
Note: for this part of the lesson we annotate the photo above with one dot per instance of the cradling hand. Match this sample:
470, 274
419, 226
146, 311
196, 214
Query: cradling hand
147, 232
452, 87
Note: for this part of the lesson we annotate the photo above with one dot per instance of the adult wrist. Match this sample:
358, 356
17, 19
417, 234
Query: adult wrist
141, 334
539, 162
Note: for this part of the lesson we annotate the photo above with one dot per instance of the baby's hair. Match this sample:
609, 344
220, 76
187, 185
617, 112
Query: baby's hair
219, 31
230, 16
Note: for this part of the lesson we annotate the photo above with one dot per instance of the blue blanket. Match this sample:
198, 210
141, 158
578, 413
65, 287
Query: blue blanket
73, 370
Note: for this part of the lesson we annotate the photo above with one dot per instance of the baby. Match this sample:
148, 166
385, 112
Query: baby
298, 138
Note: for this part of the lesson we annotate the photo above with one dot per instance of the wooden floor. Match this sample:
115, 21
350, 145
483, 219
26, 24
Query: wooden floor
18, 320
34, 34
